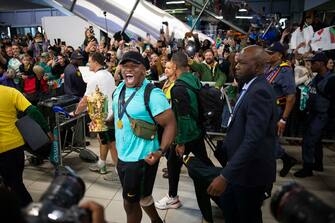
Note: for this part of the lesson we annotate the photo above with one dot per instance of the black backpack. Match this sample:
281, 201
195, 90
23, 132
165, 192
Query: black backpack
210, 106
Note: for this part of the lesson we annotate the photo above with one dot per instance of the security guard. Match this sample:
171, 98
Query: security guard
318, 114
281, 77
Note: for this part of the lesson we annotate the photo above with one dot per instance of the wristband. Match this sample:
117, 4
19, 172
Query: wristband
282, 121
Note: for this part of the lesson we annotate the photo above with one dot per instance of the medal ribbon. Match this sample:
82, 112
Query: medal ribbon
122, 104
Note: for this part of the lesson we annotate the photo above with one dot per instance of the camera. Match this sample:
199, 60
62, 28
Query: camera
59, 202
190, 49
90, 28
294, 204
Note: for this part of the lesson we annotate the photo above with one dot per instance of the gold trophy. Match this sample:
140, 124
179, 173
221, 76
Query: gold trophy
97, 110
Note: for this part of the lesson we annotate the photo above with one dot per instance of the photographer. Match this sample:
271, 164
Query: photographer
89, 36
38, 45
11, 209
57, 71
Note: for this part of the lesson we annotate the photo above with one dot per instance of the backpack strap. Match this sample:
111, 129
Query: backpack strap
147, 92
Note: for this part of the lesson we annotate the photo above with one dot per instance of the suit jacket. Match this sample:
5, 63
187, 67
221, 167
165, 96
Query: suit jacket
250, 140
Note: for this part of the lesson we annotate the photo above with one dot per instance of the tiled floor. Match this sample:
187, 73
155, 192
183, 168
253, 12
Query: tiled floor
109, 194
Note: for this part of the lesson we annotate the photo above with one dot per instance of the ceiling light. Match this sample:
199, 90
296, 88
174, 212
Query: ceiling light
243, 7
243, 17
243, 10
181, 9
175, 2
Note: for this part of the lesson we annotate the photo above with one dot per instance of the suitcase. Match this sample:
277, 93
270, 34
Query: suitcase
36, 139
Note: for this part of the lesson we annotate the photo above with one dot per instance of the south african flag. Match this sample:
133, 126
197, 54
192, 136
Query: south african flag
332, 34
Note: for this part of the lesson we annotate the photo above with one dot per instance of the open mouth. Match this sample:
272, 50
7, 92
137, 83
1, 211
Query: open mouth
130, 78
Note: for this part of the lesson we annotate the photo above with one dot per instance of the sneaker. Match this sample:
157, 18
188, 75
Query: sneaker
112, 177
96, 168
168, 202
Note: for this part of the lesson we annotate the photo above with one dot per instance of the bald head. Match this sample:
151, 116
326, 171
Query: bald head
256, 53
250, 62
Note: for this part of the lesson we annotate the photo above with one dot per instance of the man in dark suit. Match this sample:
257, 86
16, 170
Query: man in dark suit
249, 144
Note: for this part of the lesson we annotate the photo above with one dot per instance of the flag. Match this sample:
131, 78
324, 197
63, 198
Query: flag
324, 39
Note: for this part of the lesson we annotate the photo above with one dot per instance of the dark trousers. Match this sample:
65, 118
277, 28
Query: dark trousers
200, 186
242, 204
311, 144
174, 163
11, 170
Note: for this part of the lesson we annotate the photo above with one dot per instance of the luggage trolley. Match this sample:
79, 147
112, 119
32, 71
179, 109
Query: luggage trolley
73, 138
69, 132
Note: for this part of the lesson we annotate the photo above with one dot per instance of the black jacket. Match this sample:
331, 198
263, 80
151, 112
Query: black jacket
250, 140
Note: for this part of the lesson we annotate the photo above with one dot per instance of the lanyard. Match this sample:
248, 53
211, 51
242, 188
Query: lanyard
271, 75
122, 104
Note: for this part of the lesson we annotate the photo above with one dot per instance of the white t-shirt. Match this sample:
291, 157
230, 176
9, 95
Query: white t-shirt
106, 84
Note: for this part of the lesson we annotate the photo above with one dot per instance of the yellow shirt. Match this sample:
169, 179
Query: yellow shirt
167, 89
11, 101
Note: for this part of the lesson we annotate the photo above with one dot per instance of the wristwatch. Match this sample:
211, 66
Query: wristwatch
162, 152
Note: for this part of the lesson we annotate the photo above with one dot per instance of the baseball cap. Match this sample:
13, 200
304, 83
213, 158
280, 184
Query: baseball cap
76, 55
133, 56
319, 57
276, 47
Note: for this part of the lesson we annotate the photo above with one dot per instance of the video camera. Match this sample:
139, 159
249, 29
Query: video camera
293, 204
59, 202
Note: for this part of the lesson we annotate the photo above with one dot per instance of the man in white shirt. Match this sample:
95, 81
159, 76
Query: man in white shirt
104, 80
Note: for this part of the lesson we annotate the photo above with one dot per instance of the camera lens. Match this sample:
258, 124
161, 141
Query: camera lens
293, 204
65, 191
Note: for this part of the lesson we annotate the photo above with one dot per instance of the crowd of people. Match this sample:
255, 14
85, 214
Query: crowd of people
272, 91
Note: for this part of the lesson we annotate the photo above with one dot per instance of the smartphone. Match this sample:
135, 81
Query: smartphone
58, 41
91, 29
63, 43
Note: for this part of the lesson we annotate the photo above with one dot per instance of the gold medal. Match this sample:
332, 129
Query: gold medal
119, 124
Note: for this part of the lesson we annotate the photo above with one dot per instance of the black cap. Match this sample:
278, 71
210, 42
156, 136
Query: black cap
276, 47
76, 56
133, 56
319, 57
